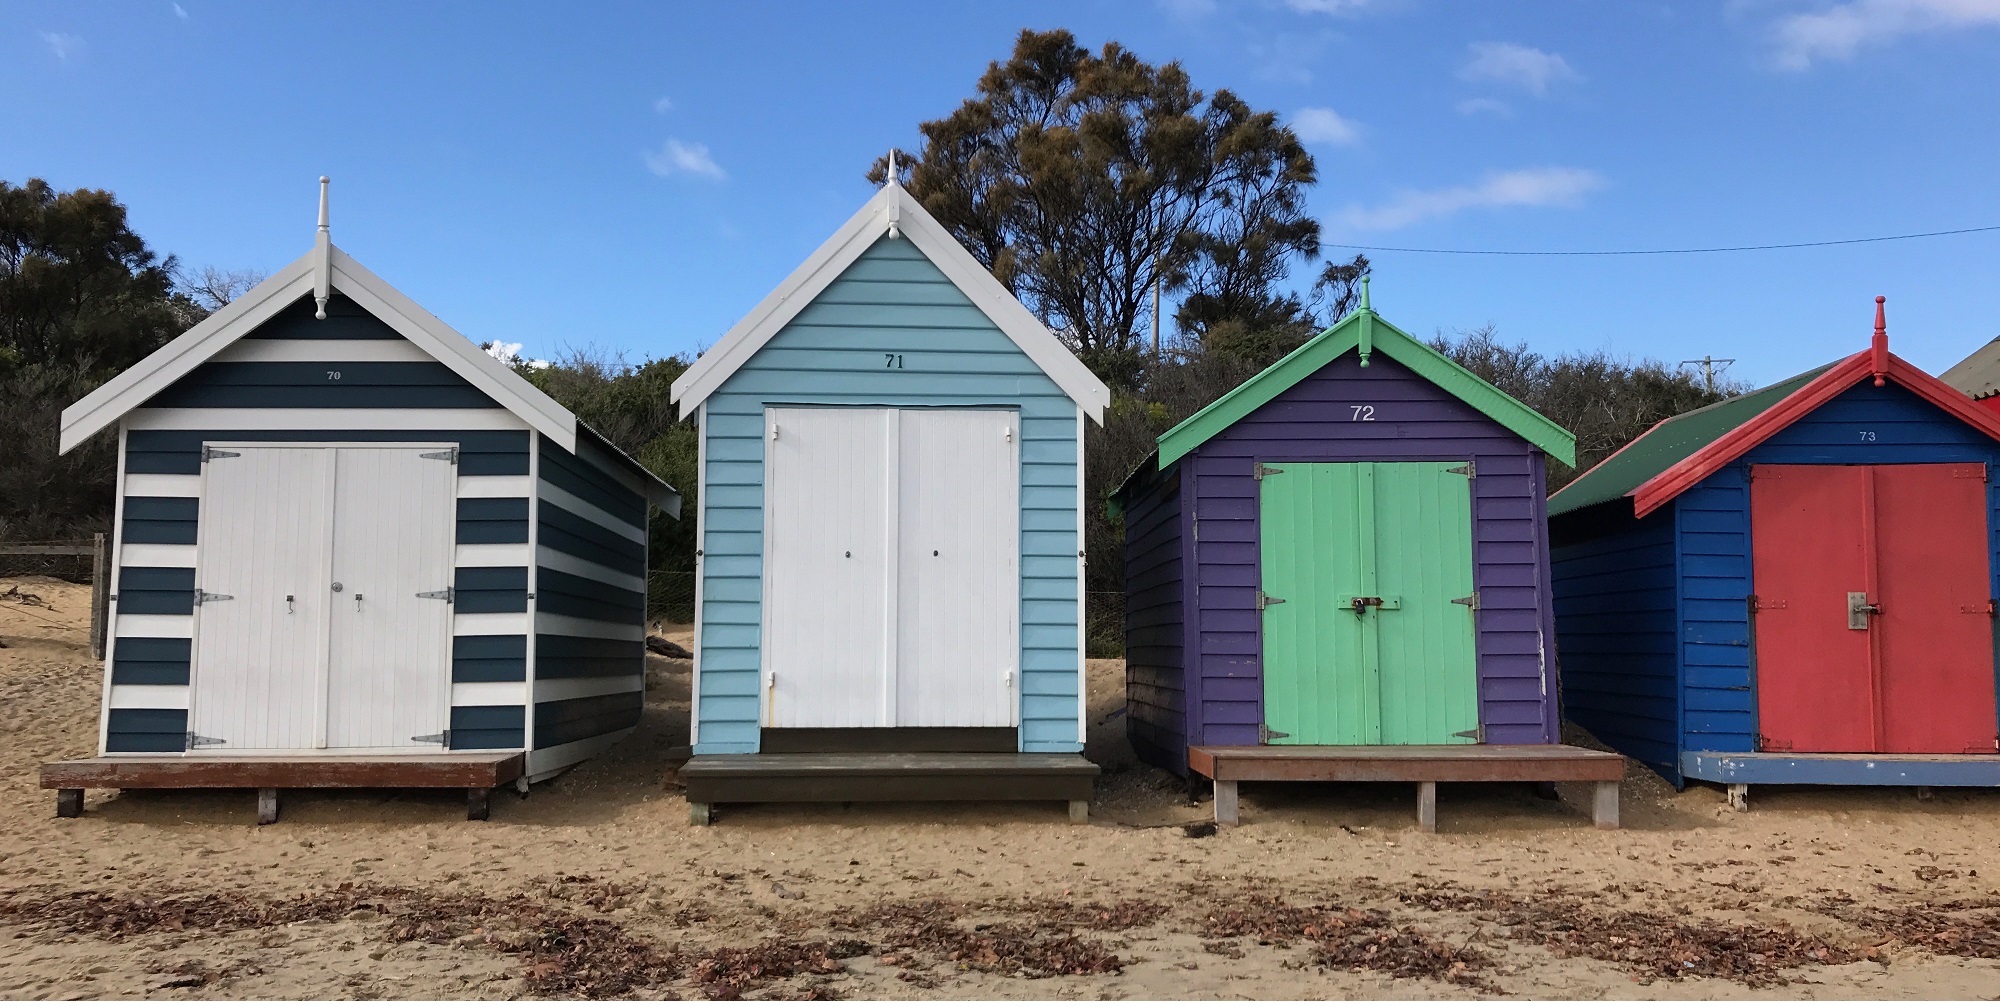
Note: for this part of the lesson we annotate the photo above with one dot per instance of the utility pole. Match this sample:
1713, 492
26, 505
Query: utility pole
1156, 312
1708, 366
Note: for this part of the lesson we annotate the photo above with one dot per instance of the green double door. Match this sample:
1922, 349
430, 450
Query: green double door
1368, 603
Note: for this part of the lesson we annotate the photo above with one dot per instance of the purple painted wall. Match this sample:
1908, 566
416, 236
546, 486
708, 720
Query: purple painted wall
1155, 610
1220, 673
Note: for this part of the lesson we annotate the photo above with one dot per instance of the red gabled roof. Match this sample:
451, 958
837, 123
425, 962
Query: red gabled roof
1875, 362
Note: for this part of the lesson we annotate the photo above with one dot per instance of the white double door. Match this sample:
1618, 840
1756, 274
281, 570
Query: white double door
310, 633
892, 567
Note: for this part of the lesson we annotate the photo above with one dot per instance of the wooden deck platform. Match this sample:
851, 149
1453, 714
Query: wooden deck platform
1424, 765
888, 776
478, 774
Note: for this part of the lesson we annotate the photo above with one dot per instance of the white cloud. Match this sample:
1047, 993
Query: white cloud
1326, 6
180, 12
1485, 106
677, 158
503, 352
62, 45
1521, 66
1188, 9
1324, 125
1836, 32
1522, 187
663, 105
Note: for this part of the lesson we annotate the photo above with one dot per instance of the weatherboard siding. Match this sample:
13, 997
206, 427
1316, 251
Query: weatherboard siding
1155, 614
1617, 635
891, 300
1314, 421
590, 600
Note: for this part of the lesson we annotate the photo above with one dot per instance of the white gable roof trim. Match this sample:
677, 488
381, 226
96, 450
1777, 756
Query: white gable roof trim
892, 210
132, 388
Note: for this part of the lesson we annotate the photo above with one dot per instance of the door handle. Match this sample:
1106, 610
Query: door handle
1859, 609
289, 610
357, 601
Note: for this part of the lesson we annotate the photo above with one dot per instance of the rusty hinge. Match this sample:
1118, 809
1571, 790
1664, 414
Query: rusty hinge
1768, 744
1265, 734
1265, 599
447, 455
1477, 734
1467, 470
210, 454
197, 741
1470, 601
1260, 470
1766, 605
440, 738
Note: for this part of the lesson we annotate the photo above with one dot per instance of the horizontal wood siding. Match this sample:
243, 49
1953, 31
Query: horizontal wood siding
1314, 421
481, 727
344, 320
1615, 611
151, 660
494, 658
1155, 686
146, 731
590, 534
890, 301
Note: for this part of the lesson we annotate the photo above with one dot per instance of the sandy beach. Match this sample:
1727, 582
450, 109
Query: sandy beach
595, 885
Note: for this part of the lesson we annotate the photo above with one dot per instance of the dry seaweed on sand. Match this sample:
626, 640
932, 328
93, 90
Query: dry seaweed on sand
1653, 945
727, 973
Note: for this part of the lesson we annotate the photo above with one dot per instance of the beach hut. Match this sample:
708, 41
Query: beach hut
1978, 375
890, 534
354, 549
1339, 571
1791, 586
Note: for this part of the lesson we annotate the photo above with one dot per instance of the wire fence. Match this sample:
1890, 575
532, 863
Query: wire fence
70, 561
670, 597
670, 600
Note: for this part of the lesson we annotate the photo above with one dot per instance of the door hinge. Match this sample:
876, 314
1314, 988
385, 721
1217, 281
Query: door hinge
770, 680
1260, 470
1758, 604
197, 741
440, 738
1265, 734
448, 595
1468, 470
447, 455
202, 597
1470, 601
210, 454
1477, 734
1769, 744
1265, 599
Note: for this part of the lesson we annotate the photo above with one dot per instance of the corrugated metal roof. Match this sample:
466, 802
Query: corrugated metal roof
1669, 442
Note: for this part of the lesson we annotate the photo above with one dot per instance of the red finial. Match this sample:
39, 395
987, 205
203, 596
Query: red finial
1881, 344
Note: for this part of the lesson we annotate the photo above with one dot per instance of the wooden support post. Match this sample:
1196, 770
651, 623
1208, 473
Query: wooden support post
478, 803
700, 814
267, 806
100, 595
1739, 796
1225, 802
69, 803
1079, 812
1427, 806
1604, 804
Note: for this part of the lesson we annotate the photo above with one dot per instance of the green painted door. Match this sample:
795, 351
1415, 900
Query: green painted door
1368, 636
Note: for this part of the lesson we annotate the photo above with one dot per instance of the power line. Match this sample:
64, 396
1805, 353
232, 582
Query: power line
1666, 251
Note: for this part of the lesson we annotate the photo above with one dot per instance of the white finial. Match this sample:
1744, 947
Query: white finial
323, 249
895, 207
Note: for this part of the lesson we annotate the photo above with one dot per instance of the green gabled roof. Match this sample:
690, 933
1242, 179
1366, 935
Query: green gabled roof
1669, 442
1365, 332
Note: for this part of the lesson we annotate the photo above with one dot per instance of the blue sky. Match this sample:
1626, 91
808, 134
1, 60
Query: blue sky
636, 176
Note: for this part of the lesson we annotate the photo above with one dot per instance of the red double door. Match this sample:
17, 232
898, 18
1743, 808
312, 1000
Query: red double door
1874, 630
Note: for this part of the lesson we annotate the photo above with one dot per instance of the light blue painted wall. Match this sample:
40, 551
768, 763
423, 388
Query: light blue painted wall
891, 300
